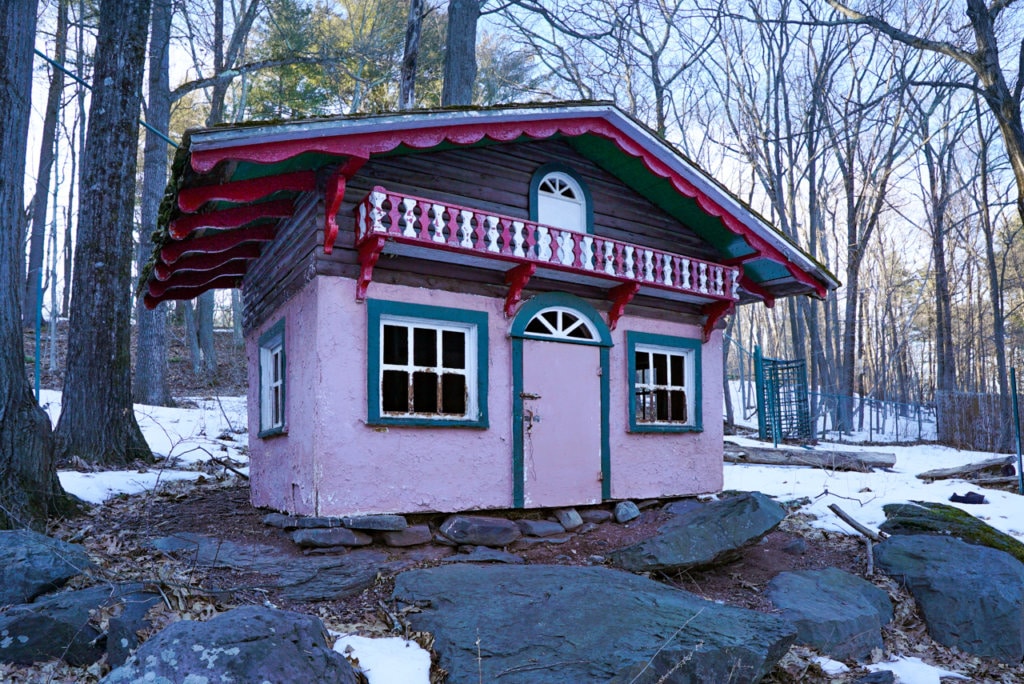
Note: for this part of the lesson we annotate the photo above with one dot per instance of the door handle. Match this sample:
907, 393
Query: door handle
528, 395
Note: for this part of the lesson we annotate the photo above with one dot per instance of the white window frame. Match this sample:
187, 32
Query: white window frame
688, 385
272, 380
469, 372
558, 210
563, 328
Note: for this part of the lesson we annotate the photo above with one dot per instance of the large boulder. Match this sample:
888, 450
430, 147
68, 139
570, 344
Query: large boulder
971, 597
541, 623
835, 612
249, 644
61, 626
927, 517
705, 536
32, 564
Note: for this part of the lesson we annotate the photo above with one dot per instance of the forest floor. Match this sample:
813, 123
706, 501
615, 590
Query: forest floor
118, 533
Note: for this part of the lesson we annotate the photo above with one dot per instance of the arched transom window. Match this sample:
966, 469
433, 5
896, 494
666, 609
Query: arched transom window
561, 324
561, 202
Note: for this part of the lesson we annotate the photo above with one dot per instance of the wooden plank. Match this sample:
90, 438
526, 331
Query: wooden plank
861, 461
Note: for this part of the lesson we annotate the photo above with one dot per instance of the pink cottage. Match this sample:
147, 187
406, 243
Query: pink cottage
472, 308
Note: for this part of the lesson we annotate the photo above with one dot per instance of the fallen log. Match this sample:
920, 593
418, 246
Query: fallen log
971, 471
860, 461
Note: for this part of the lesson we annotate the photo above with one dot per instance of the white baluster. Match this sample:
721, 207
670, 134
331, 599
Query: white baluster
491, 237
719, 281
466, 228
648, 265
437, 223
518, 239
409, 217
609, 258
702, 275
377, 212
587, 252
543, 243
684, 264
666, 269
629, 262
735, 283
566, 244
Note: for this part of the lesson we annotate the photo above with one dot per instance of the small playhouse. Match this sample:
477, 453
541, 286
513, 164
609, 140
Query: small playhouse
472, 308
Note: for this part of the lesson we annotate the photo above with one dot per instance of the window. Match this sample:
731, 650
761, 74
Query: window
561, 324
272, 369
558, 198
427, 365
665, 375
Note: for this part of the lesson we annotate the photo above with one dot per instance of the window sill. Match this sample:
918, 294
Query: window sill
664, 428
384, 421
272, 432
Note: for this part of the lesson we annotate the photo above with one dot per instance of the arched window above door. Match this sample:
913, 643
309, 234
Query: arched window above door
561, 324
559, 198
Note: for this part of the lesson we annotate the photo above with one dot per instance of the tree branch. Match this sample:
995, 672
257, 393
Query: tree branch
230, 74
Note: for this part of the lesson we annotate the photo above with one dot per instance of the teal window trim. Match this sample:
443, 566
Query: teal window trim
555, 167
376, 309
670, 343
270, 341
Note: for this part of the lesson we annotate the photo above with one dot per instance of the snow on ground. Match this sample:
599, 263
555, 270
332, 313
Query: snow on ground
915, 671
390, 660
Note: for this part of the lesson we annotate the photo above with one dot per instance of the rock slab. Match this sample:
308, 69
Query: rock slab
703, 537
927, 517
971, 597
249, 644
480, 530
835, 612
32, 564
541, 623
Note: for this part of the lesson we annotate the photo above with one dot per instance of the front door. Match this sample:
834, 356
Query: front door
561, 414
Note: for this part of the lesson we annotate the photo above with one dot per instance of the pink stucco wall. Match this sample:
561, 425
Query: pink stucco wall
331, 463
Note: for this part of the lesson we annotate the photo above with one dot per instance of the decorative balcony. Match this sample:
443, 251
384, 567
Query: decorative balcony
385, 216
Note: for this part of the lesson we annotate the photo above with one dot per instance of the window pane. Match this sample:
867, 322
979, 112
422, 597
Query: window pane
678, 374
276, 365
453, 349
581, 332
661, 405
424, 392
453, 394
643, 407
396, 345
677, 408
394, 391
424, 347
535, 326
660, 369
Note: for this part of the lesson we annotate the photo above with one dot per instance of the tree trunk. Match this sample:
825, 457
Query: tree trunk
29, 489
150, 384
204, 323
407, 87
97, 422
39, 206
460, 52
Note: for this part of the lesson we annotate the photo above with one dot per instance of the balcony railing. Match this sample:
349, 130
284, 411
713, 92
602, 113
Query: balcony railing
389, 216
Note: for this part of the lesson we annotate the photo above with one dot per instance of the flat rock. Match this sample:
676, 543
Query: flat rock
540, 528
324, 538
926, 517
249, 644
703, 537
626, 511
480, 530
568, 518
482, 554
971, 597
595, 515
382, 523
541, 623
837, 613
32, 564
60, 626
682, 506
123, 629
553, 539
413, 535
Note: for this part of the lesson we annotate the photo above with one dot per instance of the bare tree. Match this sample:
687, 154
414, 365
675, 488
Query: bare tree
407, 92
97, 422
29, 489
460, 52
149, 384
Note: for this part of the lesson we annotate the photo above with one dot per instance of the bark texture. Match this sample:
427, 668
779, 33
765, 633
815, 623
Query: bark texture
413, 31
29, 489
460, 52
150, 382
97, 422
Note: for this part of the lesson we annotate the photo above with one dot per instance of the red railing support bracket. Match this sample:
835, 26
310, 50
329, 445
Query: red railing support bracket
369, 252
517, 279
620, 297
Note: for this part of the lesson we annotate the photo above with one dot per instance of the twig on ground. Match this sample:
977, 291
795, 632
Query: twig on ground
845, 517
